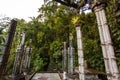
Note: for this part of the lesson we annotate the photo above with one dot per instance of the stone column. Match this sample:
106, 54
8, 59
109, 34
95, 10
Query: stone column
80, 53
17, 67
65, 62
70, 59
106, 42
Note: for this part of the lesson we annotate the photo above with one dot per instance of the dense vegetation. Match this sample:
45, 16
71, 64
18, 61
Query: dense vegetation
53, 26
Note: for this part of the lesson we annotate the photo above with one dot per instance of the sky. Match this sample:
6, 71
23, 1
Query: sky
21, 9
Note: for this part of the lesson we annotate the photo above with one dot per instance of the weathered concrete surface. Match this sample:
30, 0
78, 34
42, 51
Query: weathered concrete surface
46, 76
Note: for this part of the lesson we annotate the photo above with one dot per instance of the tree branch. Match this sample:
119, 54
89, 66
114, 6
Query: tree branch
68, 4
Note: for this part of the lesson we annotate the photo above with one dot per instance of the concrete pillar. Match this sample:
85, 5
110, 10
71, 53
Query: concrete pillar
65, 62
70, 58
80, 53
17, 67
107, 48
7, 47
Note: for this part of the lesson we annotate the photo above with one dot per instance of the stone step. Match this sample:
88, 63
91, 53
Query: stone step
46, 76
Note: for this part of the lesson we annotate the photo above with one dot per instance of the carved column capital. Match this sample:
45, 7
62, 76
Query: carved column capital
97, 5
78, 24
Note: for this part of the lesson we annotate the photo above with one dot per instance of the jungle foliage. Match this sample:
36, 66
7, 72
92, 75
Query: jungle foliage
53, 26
